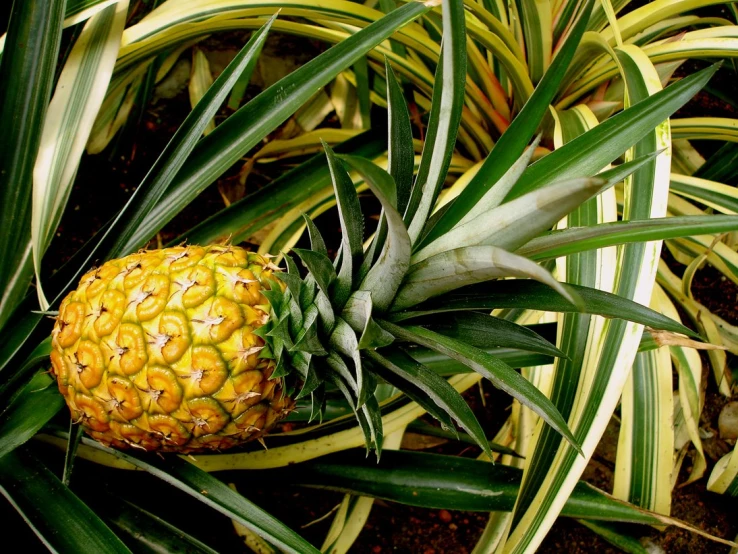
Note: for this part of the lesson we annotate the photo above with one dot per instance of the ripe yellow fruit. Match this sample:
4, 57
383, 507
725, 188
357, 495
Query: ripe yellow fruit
157, 350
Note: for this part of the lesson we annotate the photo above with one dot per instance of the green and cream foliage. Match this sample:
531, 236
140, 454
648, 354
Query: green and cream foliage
465, 205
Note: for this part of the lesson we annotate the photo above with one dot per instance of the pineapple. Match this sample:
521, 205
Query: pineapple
158, 350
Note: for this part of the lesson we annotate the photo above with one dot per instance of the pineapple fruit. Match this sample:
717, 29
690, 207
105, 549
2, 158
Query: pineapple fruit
157, 350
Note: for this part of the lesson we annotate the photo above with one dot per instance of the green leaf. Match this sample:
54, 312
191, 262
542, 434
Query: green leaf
37, 403
518, 135
590, 152
217, 495
126, 227
446, 482
435, 387
248, 126
26, 79
255, 211
148, 531
343, 339
512, 224
317, 244
499, 373
59, 518
385, 276
485, 331
77, 99
352, 227
308, 340
358, 314
536, 296
319, 266
454, 269
445, 116
572, 241
400, 152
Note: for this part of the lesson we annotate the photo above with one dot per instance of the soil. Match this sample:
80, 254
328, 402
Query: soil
391, 527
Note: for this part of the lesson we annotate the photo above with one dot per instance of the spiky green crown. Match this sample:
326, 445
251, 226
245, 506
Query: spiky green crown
344, 325
348, 323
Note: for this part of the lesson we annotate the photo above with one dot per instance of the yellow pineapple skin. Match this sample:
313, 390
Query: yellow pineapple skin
157, 350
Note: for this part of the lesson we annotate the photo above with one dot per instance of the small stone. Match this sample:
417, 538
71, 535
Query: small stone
445, 516
728, 421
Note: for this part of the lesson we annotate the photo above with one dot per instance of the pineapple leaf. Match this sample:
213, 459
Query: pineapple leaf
216, 494
572, 241
451, 270
502, 375
448, 482
593, 150
312, 380
27, 77
417, 395
445, 116
512, 224
307, 340
349, 212
317, 403
124, 231
249, 125
436, 388
400, 154
497, 193
514, 140
485, 331
327, 317
58, 517
317, 244
265, 205
339, 366
373, 415
148, 530
385, 277
358, 313
291, 278
30, 410
319, 266
525, 294
343, 339
400, 160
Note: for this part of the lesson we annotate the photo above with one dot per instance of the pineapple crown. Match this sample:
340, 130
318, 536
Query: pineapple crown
350, 321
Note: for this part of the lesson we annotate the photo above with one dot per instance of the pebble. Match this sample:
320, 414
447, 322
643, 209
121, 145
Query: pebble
445, 516
728, 421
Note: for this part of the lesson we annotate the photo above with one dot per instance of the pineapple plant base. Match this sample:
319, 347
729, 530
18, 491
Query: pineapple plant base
157, 350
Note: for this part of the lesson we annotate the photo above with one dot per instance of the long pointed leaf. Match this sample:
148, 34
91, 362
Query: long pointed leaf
499, 373
59, 518
248, 126
26, 79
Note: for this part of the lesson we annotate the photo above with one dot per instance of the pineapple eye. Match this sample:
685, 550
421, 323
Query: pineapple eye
207, 416
156, 288
111, 311
229, 319
171, 431
163, 393
207, 373
71, 321
174, 325
132, 343
90, 365
91, 413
